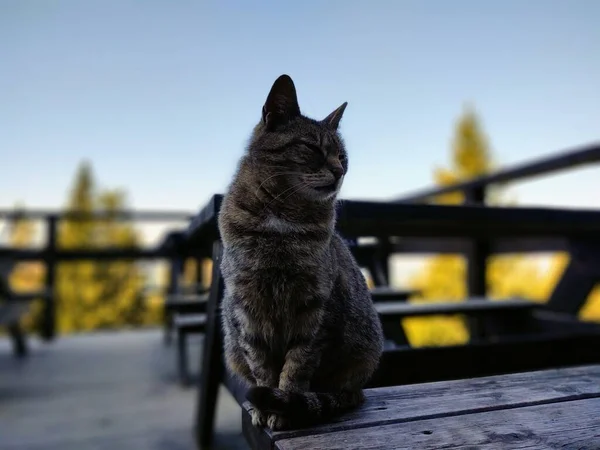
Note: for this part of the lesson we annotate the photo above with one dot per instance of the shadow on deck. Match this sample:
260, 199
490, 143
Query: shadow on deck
104, 391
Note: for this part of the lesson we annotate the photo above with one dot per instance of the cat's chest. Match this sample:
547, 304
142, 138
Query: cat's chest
274, 277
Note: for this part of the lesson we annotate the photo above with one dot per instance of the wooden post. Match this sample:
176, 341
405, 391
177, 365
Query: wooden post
211, 369
174, 273
49, 313
476, 264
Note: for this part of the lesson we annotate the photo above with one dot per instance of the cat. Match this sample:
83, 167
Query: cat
298, 320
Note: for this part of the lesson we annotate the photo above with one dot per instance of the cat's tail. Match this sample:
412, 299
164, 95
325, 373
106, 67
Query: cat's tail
304, 407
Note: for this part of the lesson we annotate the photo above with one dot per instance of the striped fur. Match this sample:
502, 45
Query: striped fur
297, 314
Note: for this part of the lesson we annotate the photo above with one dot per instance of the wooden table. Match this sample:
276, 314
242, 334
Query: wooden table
549, 409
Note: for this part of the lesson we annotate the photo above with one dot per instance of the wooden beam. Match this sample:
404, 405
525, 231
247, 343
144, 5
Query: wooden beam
49, 312
514, 354
566, 159
141, 215
212, 368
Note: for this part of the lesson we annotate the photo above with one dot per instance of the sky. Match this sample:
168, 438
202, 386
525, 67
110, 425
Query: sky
160, 96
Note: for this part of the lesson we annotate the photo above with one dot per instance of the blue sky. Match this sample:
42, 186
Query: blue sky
160, 96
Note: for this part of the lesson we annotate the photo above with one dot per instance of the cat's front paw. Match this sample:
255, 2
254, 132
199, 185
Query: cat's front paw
259, 419
276, 423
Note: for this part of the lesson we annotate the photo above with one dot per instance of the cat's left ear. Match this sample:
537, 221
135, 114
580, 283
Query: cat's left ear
333, 119
282, 103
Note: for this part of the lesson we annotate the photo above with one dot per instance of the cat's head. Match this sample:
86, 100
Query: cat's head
294, 156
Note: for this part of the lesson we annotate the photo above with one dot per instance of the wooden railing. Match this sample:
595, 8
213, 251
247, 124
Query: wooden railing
51, 254
477, 251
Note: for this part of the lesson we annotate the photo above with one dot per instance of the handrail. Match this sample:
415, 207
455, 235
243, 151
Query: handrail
150, 215
565, 159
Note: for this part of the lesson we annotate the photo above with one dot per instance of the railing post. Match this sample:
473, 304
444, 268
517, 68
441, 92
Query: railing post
174, 273
476, 263
49, 312
176, 266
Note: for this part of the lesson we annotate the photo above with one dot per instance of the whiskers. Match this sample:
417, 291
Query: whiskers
295, 188
279, 174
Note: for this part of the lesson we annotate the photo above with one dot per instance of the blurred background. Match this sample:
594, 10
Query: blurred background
119, 106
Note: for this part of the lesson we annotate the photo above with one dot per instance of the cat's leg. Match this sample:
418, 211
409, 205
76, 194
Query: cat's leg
301, 361
263, 368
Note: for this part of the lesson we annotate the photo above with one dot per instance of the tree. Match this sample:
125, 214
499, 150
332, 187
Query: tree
98, 294
444, 276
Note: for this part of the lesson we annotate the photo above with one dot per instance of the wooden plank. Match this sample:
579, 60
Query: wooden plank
190, 321
75, 255
566, 159
509, 354
386, 294
400, 404
190, 303
565, 425
437, 245
128, 215
28, 296
471, 306
369, 218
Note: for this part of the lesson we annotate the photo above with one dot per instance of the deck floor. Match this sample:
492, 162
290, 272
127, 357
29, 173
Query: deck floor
108, 391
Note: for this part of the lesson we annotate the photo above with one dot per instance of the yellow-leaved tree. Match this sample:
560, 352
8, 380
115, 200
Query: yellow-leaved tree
99, 294
444, 276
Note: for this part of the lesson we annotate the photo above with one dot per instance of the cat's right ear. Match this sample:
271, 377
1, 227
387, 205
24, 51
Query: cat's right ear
282, 104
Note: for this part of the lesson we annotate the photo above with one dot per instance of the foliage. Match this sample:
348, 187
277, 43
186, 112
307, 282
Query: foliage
99, 294
444, 276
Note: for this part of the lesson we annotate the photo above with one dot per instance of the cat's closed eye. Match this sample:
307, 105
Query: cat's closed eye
315, 148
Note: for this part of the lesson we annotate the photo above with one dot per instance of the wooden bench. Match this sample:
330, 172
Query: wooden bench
531, 338
558, 408
185, 325
184, 314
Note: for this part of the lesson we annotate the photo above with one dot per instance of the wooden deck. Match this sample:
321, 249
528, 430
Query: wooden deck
550, 409
113, 391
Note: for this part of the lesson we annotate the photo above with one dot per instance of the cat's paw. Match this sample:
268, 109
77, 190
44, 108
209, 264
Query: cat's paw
276, 423
258, 418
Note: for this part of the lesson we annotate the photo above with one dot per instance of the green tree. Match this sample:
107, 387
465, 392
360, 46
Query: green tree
444, 276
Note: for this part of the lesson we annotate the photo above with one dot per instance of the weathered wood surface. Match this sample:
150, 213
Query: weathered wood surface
104, 391
486, 410
569, 425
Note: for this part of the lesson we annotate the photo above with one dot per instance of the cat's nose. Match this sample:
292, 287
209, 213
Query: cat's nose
337, 170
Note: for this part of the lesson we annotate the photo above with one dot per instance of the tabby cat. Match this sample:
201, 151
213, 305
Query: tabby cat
299, 323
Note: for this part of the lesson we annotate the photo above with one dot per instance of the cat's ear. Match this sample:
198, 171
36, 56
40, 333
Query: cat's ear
282, 104
333, 119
